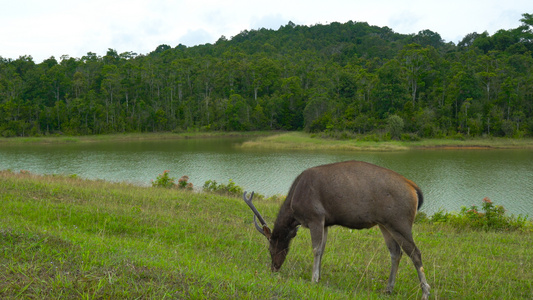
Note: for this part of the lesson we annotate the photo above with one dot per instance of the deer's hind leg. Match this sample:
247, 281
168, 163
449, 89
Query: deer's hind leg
404, 239
395, 256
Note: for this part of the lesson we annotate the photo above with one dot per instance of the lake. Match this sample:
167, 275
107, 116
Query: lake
449, 178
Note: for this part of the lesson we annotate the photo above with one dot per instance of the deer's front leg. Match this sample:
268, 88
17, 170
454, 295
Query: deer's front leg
319, 235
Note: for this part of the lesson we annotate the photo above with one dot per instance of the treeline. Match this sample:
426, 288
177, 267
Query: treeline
350, 77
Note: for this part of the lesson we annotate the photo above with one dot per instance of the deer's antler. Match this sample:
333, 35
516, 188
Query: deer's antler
264, 230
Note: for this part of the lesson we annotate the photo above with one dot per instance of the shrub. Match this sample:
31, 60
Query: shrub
410, 137
494, 215
458, 136
183, 183
395, 125
370, 138
164, 180
210, 186
230, 189
421, 217
489, 217
441, 217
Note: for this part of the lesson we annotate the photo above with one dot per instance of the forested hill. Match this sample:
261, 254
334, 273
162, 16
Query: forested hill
352, 78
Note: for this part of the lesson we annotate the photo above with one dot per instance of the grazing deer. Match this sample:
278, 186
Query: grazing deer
352, 194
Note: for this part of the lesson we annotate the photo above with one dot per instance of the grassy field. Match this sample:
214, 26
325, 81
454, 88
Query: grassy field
68, 238
305, 141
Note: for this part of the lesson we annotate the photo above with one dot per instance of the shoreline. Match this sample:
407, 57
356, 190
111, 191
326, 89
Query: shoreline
294, 140
304, 141
118, 137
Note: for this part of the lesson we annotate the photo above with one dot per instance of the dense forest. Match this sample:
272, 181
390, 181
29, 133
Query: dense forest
351, 78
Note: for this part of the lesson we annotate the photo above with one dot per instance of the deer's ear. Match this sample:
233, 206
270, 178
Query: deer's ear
267, 232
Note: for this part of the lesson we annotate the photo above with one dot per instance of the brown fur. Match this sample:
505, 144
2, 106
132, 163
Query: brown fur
356, 195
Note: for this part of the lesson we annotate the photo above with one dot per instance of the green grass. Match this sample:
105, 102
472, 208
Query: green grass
68, 238
305, 141
127, 137
295, 140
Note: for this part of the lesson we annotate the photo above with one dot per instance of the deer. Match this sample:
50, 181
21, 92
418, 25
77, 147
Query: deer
352, 194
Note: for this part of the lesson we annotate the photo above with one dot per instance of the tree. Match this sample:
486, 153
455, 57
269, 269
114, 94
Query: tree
237, 114
316, 107
333, 77
110, 86
526, 31
392, 90
264, 74
416, 61
395, 126
292, 109
428, 38
487, 72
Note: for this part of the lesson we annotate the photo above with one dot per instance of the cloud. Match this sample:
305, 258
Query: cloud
56, 27
196, 37
273, 21
404, 22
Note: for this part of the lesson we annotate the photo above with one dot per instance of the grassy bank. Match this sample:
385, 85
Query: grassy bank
292, 141
305, 141
65, 237
129, 137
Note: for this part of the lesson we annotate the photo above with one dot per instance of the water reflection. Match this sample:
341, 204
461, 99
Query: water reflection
450, 179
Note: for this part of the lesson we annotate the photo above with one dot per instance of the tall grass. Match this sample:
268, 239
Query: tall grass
68, 238
304, 141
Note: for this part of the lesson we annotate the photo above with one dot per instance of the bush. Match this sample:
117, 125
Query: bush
493, 217
395, 125
441, 217
490, 217
164, 180
230, 189
457, 136
183, 183
421, 217
369, 138
410, 137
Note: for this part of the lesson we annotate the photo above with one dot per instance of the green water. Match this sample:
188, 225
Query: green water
449, 178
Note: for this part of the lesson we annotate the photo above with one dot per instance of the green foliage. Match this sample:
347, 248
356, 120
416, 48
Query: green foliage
395, 126
348, 78
370, 138
164, 180
230, 189
338, 134
492, 217
489, 218
183, 183
410, 137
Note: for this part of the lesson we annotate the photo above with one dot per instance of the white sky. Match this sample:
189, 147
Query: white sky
45, 28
